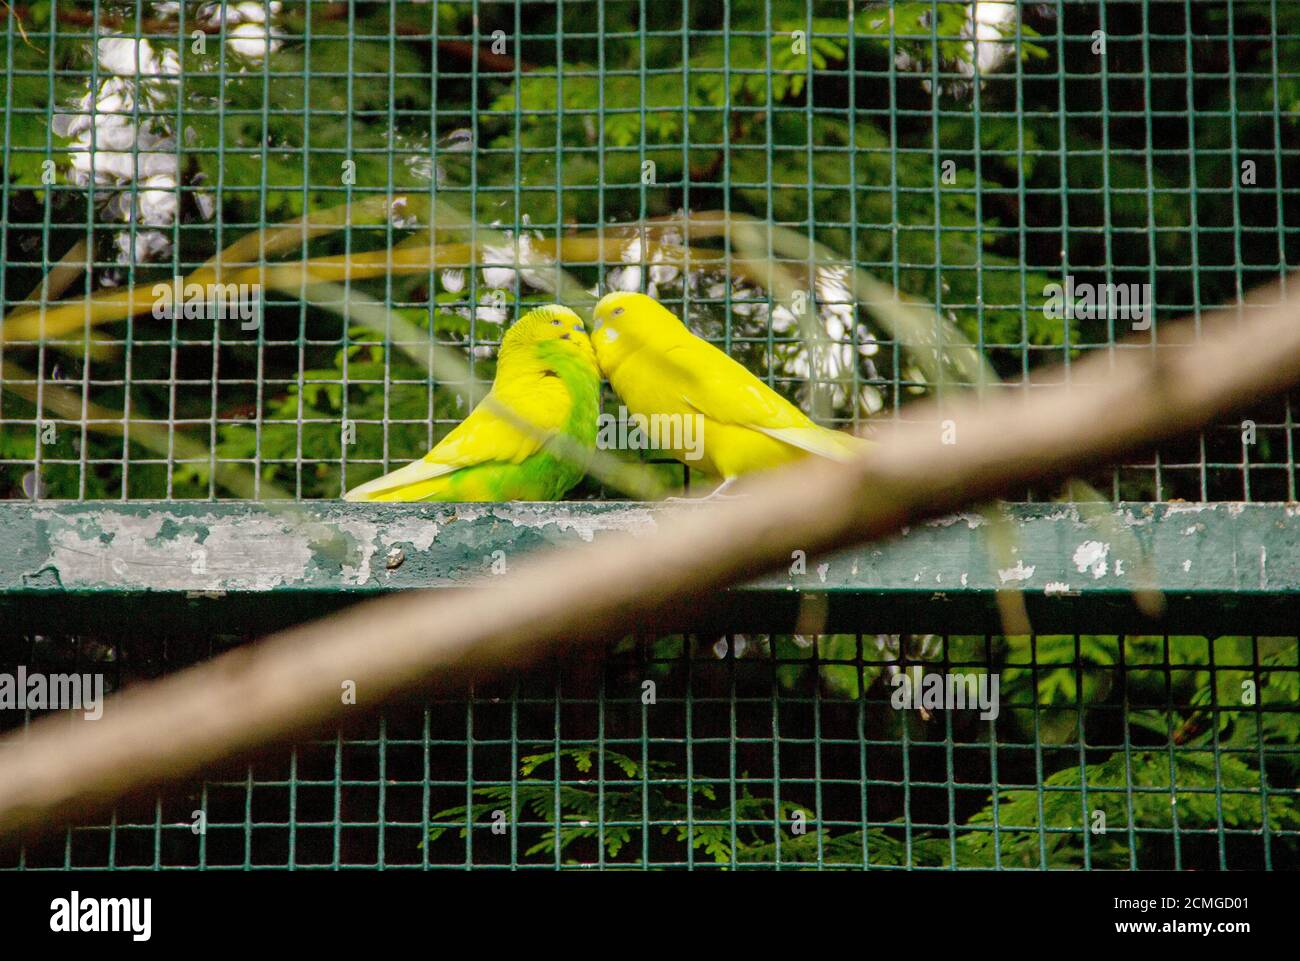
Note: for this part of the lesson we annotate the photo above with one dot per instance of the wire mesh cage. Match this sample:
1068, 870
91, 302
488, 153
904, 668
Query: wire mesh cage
1056, 178
758, 751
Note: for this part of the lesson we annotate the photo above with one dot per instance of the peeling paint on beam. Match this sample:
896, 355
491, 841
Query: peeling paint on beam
254, 566
262, 548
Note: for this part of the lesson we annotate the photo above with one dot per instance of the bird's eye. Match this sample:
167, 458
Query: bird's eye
555, 323
617, 311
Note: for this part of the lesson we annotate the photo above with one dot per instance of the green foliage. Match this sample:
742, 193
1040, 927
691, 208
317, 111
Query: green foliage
607, 807
610, 816
1116, 813
1147, 793
341, 118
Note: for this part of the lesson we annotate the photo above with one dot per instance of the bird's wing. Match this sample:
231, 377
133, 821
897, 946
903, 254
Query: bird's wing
723, 390
485, 436
488, 435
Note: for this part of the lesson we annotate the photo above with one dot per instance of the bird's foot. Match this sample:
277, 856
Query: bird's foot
718, 494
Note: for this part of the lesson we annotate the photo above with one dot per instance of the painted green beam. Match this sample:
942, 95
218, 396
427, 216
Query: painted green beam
242, 566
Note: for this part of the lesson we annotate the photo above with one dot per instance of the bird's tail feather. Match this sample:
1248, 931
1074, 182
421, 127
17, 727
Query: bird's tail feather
832, 444
390, 486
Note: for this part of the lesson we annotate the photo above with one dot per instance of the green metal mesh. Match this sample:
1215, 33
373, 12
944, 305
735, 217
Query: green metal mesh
744, 733
966, 165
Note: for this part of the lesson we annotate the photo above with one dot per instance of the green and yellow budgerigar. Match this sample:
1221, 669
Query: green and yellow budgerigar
658, 367
547, 376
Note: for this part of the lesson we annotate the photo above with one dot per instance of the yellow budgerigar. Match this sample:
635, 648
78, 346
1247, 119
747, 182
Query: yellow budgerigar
658, 367
546, 376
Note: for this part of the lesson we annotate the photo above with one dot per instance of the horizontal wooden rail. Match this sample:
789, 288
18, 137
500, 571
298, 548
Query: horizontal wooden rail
242, 566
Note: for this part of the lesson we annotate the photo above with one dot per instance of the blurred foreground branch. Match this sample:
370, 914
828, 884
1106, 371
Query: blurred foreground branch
289, 687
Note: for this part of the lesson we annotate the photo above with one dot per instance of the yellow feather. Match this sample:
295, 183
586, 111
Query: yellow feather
657, 366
